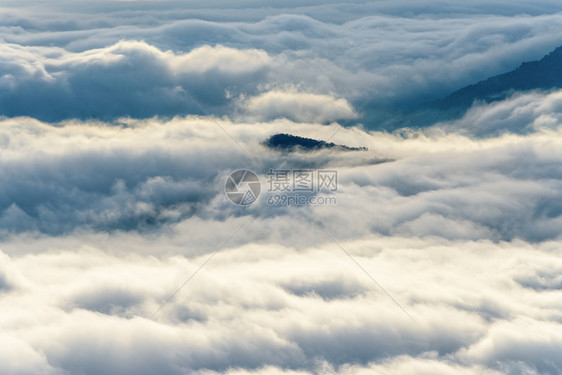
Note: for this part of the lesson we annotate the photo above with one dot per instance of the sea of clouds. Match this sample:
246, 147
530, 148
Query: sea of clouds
121, 254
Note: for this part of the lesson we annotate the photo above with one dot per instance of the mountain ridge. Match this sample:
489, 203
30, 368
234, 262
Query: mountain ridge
543, 74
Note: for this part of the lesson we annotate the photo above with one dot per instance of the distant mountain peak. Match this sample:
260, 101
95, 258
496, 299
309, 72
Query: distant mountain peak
289, 142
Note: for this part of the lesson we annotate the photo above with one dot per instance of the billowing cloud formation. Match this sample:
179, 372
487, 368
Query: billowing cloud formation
90, 310
300, 107
462, 232
523, 113
138, 80
374, 56
121, 254
143, 174
126, 79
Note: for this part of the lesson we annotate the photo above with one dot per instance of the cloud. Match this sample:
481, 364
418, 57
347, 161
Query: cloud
530, 342
121, 254
104, 222
299, 107
154, 173
5, 283
522, 113
252, 322
374, 55
126, 79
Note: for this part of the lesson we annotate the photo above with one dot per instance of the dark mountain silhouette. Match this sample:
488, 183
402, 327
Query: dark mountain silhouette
543, 74
288, 142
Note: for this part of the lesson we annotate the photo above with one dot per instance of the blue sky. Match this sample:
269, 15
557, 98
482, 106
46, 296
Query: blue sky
121, 121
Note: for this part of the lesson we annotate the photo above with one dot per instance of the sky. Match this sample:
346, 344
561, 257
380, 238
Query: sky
120, 252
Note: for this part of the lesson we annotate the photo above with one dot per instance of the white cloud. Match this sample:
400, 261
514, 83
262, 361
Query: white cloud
522, 113
100, 221
296, 106
238, 312
462, 232
221, 59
